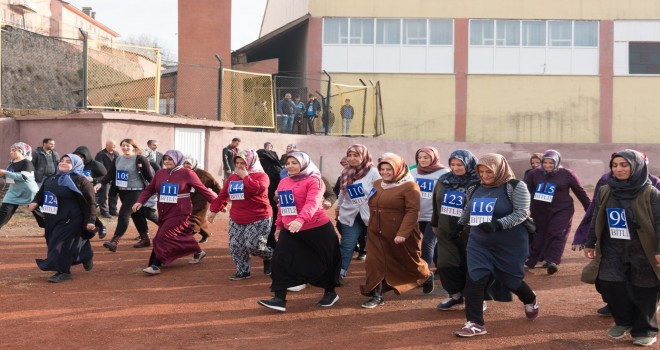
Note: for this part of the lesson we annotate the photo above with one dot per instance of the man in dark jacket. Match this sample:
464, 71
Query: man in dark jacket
94, 171
228, 154
45, 160
107, 196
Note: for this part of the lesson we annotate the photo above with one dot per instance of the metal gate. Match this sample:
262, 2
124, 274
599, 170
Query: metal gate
191, 142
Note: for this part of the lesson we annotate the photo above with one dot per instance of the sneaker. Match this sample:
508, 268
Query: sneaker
552, 268
329, 299
59, 277
152, 270
373, 302
470, 329
106, 215
362, 256
88, 265
428, 286
267, 267
545, 265
644, 341
532, 310
340, 281
197, 257
275, 304
205, 237
449, 303
239, 276
618, 332
103, 232
604, 311
485, 307
297, 288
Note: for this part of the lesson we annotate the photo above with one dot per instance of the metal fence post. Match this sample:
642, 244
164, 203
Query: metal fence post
220, 76
84, 77
326, 108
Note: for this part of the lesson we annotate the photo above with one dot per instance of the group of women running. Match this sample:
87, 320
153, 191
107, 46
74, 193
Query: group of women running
473, 220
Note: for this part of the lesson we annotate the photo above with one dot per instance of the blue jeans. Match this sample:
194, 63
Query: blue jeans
349, 238
429, 241
287, 124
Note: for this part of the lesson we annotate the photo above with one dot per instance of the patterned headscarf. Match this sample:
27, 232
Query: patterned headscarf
351, 174
307, 167
555, 156
499, 166
24, 149
435, 160
190, 159
639, 175
251, 161
470, 161
64, 179
401, 172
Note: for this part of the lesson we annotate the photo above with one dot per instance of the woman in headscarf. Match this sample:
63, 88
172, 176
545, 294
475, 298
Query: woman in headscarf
394, 239
200, 206
426, 174
448, 205
352, 211
534, 162
623, 243
552, 209
68, 203
498, 243
307, 250
250, 215
20, 178
272, 167
174, 239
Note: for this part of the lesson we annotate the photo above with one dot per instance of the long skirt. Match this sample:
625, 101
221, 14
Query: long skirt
174, 239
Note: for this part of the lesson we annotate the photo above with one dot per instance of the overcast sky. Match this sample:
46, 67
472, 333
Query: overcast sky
158, 18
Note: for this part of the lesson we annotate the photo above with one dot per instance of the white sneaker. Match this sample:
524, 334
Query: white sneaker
152, 270
485, 306
297, 288
197, 257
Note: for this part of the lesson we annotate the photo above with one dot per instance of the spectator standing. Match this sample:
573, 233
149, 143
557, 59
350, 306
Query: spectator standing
155, 156
347, 114
312, 112
286, 108
228, 154
299, 110
45, 160
107, 194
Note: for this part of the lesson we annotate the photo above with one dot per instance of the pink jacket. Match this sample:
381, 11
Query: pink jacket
308, 197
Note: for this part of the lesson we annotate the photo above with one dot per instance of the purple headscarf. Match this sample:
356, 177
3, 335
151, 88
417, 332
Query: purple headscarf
555, 156
307, 167
177, 157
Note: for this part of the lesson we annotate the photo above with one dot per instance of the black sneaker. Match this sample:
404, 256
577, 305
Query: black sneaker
373, 302
239, 276
88, 265
362, 256
604, 311
103, 232
449, 303
59, 277
267, 267
552, 268
329, 299
428, 286
275, 304
341, 281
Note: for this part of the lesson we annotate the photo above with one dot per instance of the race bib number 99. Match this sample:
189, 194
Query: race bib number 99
426, 187
452, 203
236, 190
168, 193
481, 210
356, 194
287, 203
50, 203
121, 179
616, 220
545, 192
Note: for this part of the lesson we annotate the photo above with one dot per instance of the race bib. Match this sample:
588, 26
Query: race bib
9, 180
356, 194
481, 210
121, 179
426, 187
168, 193
236, 190
50, 203
87, 173
287, 203
545, 192
616, 220
452, 203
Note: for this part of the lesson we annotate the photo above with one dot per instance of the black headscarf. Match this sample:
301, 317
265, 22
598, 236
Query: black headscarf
639, 176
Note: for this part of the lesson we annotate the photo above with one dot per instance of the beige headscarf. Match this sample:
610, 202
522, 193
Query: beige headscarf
499, 166
401, 172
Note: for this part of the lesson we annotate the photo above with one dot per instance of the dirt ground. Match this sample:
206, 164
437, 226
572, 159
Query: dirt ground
196, 306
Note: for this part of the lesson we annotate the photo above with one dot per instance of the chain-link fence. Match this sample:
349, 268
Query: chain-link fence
302, 91
248, 99
122, 77
353, 110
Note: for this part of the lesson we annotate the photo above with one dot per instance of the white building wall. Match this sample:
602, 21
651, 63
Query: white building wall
280, 12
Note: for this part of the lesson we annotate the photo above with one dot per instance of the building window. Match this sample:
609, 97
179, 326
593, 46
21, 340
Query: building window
414, 31
643, 57
533, 33
388, 31
335, 31
508, 33
560, 33
362, 31
586, 33
482, 32
441, 32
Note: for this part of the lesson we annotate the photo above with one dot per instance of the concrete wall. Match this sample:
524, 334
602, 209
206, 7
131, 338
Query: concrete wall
635, 110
